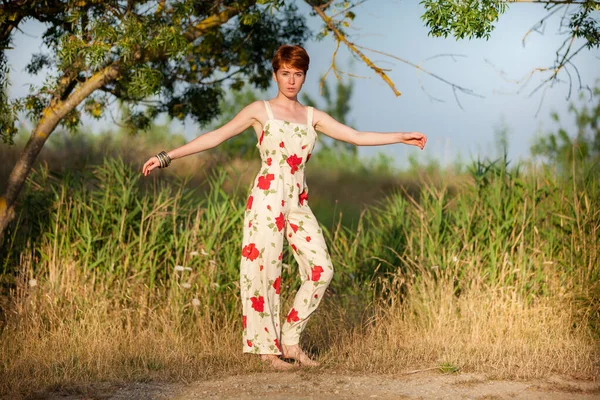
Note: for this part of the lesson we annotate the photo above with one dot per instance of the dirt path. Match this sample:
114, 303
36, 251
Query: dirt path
327, 385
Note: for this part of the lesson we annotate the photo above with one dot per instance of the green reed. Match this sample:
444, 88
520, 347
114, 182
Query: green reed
119, 228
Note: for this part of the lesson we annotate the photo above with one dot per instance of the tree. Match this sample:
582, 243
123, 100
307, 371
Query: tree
156, 56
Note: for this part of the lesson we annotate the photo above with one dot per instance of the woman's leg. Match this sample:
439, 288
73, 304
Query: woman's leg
260, 271
316, 271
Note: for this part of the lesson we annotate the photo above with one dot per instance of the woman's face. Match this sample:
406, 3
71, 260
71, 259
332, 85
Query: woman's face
289, 80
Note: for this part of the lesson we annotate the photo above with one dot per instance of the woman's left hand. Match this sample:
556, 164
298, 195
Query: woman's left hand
415, 139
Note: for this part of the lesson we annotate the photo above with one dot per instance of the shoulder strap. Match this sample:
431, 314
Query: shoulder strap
269, 112
310, 116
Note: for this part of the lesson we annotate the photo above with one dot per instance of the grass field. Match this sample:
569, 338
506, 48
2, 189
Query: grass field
109, 276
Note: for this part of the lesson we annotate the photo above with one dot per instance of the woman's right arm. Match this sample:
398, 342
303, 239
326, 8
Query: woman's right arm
242, 121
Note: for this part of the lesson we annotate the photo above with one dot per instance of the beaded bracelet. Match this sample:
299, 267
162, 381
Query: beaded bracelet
163, 159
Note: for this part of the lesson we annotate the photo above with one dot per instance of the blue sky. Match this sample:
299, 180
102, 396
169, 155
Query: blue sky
395, 27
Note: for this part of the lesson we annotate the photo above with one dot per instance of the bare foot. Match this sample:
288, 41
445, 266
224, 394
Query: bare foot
275, 362
295, 353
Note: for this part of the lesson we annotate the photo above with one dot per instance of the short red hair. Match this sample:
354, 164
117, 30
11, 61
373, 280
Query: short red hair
291, 56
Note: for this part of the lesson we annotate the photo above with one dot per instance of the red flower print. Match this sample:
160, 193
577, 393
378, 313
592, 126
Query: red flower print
269, 207
277, 344
258, 303
262, 136
303, 147
295, 249
294, 227
264, 182
308, 157
249, 203
249, 343
293, 161
269, 161
308, 238
293, 316
282, 203
303, 197
250, 252
280, 256
266, 330
261, 267
316, 273
250, 224
281, 145
244, 321
316, 296
277, 284
280, 221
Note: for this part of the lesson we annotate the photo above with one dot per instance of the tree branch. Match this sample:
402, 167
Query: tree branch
215, 20
341, 37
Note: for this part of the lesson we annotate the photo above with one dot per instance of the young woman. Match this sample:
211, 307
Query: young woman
278, 207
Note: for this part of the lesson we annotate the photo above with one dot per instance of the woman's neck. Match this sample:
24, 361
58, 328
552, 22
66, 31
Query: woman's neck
290, 103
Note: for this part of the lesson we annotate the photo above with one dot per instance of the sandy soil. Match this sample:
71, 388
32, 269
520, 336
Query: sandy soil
305, 384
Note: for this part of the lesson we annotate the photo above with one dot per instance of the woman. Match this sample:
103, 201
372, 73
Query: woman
278, 207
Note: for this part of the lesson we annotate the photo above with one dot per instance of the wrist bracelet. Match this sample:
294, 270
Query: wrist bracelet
163, 159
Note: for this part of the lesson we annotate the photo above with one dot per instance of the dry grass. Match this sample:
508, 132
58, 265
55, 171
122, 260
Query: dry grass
70, 330
485, 329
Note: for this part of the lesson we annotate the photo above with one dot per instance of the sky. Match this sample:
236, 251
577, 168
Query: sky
491, 68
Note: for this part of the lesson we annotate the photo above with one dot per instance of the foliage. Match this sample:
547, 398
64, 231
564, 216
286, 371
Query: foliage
475, 19
7, 109
462, 18
173, 57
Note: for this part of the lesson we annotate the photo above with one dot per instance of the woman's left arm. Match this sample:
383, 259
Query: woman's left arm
332, 128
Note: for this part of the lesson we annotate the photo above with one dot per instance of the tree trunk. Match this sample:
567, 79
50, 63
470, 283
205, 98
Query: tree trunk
51, 116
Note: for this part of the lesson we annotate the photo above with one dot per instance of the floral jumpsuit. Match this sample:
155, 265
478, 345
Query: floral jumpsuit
277, 207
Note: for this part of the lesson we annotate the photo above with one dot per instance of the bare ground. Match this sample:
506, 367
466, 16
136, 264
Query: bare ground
315, 384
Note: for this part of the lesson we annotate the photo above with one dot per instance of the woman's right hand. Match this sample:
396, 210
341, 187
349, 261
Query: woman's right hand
150, 165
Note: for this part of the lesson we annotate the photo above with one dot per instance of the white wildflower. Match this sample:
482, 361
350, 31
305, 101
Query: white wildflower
186, 285
32, 283
194, 253
195, 302
179, 268
455, 259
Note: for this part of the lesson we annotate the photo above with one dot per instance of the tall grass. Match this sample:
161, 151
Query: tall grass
111, 279
500, 278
